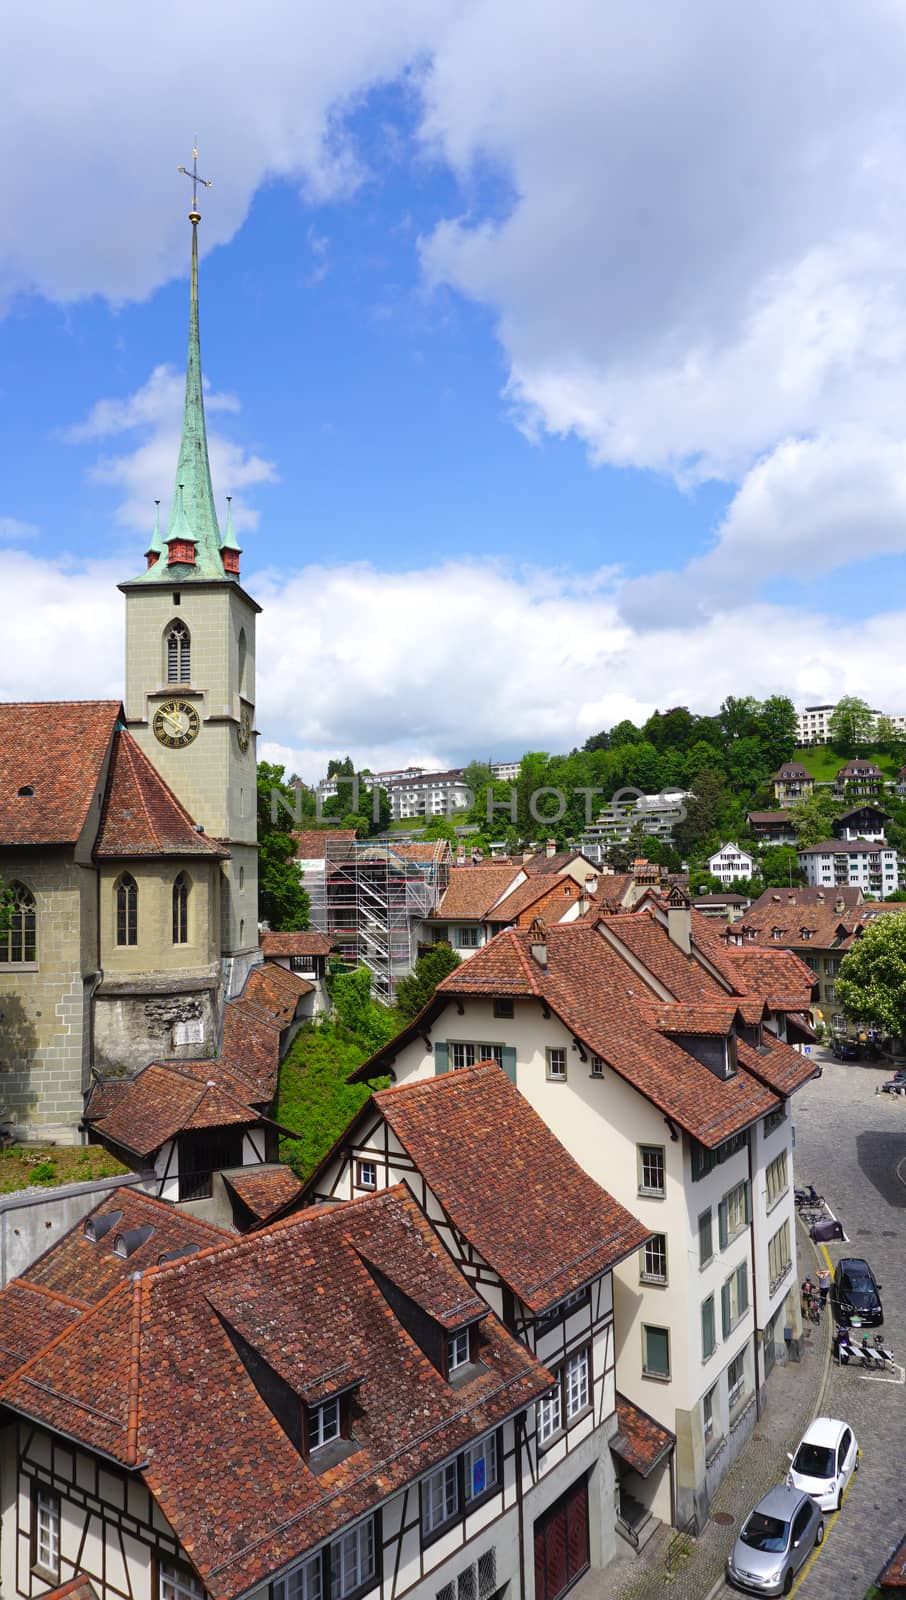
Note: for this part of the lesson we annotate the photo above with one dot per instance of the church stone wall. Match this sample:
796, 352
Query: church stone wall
155, 951
133, 1027
44, 1006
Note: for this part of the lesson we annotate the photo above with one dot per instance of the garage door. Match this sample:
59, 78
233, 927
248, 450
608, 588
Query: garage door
561, 1543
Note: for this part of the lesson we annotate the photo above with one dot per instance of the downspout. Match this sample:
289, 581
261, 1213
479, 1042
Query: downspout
521, 1441
758, 1405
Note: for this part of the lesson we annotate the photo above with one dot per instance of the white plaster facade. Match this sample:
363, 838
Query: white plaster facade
603, 1121
730, 862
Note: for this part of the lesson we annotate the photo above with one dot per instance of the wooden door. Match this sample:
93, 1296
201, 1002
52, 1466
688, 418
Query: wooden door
561, 1543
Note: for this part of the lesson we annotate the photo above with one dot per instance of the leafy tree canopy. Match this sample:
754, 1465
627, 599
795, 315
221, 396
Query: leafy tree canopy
871, 986
282, 901
850, 725
414, 992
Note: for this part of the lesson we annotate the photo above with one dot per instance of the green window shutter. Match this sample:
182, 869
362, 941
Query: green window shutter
725, 1308
748, 1201
508, 1062
722, 1231
441, 1057
742, 1289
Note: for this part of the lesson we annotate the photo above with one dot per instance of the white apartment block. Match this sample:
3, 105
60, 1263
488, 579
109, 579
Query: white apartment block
866, 864
657, 813
730, 862
814, 723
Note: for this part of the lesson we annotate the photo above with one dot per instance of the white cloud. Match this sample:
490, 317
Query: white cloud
144, 473
701, 256
439, 665
103, 113
811, 507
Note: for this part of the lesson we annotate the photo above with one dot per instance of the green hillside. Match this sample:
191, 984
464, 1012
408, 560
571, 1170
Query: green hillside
823, 762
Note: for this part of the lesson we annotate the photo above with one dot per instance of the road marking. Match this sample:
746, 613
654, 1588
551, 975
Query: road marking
828, 1524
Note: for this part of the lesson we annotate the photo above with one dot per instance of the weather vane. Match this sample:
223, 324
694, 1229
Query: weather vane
206, 183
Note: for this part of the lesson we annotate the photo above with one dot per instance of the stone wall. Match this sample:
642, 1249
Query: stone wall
133, 1025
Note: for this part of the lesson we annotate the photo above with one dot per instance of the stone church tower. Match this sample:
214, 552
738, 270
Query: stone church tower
190, 667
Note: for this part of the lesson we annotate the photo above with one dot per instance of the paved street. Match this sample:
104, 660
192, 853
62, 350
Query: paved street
849, 1142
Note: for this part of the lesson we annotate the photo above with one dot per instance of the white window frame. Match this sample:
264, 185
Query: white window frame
577, 1383
736, 1387
305, 1582
361, 1170
645, 1153
485, 1450
440, 1497
458, 1350
352, 1555
324, 1423
470, 1052
467, 938
654, 1265
777, 1179
549, 1415
555, 1057
47, 1531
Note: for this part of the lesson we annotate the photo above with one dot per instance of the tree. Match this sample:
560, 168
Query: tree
477, 775
414, 992
703, 811
871, 986
739, 719
440, 828
850, 725
889, 738
337, 768
282, 901
778, 728
625, 732
597, 741
780, 866
813, 817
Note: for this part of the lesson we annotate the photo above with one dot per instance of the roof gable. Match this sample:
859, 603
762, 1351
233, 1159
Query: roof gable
52, 758
141, 816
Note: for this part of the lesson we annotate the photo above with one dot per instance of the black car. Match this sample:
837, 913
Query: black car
856, 1294
846, 1049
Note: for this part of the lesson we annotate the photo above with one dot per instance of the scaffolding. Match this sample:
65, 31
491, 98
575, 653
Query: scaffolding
371, 898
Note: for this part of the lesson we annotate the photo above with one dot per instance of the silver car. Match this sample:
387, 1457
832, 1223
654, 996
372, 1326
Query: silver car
775, 1540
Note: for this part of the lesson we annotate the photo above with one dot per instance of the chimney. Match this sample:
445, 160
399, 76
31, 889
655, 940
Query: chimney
679, 926
538, 942
840, 906
591, 884
550, 848
526, 855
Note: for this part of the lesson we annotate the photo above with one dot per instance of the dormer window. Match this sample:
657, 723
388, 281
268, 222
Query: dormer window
459, 1350
324, 1423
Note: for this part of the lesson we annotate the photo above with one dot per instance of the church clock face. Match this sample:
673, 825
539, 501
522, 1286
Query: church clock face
244, 732
176, 723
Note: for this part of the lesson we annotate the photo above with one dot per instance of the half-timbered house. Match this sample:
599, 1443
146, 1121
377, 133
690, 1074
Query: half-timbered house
538, 1239
287, 1416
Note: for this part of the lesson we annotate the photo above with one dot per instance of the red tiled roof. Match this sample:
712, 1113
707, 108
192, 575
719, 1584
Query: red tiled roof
29, 1318
141, 814
166, 1098
303, 943
786, 982
532, 893
75, 1266
894, 1574
78, 1588
541, 865
152, 1376
250, 1044
57, 749
311, 843
846, 847
776, 1064
792, 769
421, 850
543, 1225
472, 891
770, 817
265, 1190
275, 992
614, 1014
713, 1017
641, 1442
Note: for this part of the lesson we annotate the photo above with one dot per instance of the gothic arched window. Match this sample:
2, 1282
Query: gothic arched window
179, 654
127, 910
181, 909
18, 925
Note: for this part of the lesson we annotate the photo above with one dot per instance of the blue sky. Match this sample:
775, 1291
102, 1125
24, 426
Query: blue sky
558, 373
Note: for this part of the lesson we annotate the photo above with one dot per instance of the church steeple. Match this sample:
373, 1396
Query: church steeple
192, 539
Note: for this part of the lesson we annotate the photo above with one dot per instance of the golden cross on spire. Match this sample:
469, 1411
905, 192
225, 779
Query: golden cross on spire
206, 183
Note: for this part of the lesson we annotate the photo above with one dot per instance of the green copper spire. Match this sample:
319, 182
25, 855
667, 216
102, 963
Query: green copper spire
155, 544
192, 514
230, 542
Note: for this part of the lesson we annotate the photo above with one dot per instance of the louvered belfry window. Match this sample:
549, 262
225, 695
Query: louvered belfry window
179, 654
